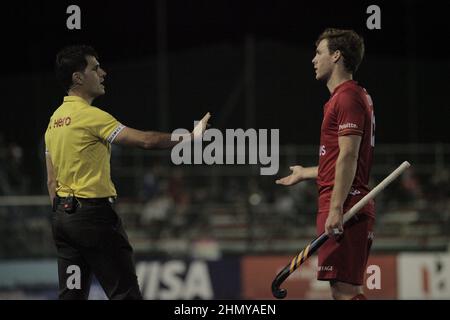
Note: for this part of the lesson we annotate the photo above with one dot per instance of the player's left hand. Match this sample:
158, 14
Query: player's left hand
334, 226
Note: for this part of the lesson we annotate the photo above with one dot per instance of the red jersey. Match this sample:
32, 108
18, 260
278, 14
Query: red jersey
348, 112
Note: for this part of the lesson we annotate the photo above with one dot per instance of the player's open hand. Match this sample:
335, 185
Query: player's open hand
201, 126
296, 176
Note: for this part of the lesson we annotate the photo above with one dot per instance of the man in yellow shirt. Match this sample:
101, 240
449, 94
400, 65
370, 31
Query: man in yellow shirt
88, 233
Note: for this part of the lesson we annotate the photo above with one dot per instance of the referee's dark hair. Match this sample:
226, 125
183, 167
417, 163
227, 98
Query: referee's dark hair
69, 60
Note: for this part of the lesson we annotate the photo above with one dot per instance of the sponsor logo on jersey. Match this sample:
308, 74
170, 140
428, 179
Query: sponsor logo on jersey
60, 122
348, 126
322, 151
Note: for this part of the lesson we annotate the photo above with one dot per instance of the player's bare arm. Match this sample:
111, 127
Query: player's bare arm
51, 179
298, 174
345, 171
157, 140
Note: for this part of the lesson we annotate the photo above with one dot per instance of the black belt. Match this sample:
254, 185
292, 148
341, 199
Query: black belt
91, 201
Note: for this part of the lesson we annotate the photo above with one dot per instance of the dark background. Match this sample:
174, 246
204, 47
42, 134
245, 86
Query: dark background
206, 59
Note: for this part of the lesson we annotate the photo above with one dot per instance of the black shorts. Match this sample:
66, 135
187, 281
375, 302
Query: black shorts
91, 240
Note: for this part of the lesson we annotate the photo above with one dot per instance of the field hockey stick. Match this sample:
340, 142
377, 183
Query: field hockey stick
320, 240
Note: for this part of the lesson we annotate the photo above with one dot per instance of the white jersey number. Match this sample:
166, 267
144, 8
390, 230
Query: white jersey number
372, 126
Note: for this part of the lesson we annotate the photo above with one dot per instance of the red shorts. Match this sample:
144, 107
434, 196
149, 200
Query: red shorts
345, 259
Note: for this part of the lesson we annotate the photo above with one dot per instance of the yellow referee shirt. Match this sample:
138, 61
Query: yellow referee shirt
78, 139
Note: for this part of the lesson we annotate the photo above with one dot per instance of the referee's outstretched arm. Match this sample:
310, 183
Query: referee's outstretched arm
157, 140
